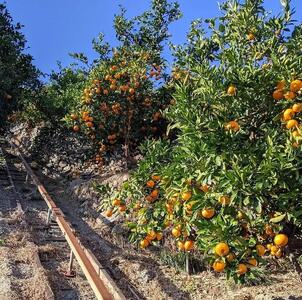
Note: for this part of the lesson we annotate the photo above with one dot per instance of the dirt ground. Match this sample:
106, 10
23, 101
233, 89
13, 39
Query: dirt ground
21, 274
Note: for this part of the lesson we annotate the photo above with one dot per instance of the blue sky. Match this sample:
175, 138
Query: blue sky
54, 28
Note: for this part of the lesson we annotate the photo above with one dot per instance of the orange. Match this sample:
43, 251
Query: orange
73, 117
116, 202
218, 266
154, 194
296, 134
260, 250
150, 184
159, 236
231, 90
113, 68
176, 232
278, 94
269, 231
297, 107
151, 235
232, 125
89, 124
291, 124
241, 269
274, 249
180, 245
281, 240
278, 254
222, 249
105, 92
253, 262
205, 188
186, 196
289, 95
224, 200
288, 114
208, 213
280, 85
230, 257
122, 208
269, 246
131, 91
189, 245
76, 128
144, 243
109, 213
296, 85
250, 36
149, 198
156, 177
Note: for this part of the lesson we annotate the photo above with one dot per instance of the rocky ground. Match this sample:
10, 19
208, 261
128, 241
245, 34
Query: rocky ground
140, 274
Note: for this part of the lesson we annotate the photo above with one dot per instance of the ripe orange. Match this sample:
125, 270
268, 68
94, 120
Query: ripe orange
76, 128
116, 202
218, 266
122, 208
288, 114
296, 85
131, 91
241, 269
290, 95
189, 245
260, 250
159, 236
274, 249
180, 245
144, 243
149, 198
278, 94
89, 124
269, 246
156, 177
281, 240
297, 107
292, 124
232, 125
280, 85
296, 134
208, 213
109, 213
253, 262
230, 257
205, 188
113, 68
150, 184
73, 117
222, 249
186, 195
176, 232
105, 92
224, 200
151, 235
154, 194
231, 90
250, 36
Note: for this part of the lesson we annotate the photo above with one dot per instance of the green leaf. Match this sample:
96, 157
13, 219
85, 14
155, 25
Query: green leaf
278, 219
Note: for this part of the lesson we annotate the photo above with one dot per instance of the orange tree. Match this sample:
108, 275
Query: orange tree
230, 186
124, 93
17, 73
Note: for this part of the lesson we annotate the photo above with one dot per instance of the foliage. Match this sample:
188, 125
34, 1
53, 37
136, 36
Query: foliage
231, 184
17, 73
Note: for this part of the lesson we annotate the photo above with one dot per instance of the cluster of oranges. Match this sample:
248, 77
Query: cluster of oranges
224, 255
289, 114
120, 100
119, 205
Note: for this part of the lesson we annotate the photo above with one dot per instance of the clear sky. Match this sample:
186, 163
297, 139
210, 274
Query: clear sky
55, 28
